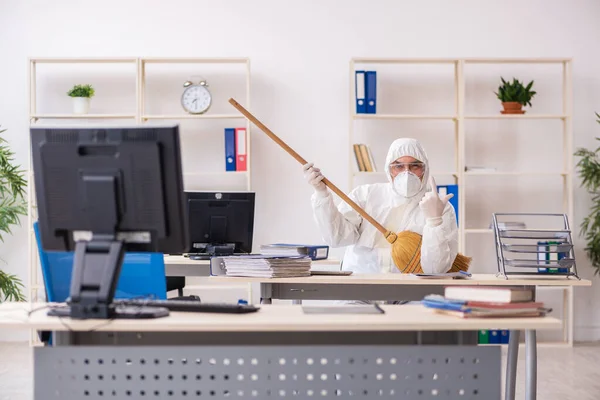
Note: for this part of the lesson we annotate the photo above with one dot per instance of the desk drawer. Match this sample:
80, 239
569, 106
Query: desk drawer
290, 291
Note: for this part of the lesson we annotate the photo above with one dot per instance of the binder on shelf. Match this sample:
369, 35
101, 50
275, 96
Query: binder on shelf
240, 140
443, 190
371, 91
494, 336
547, 255
230, 159
359, 79
504, 336
365, 157
483, 336
359, 159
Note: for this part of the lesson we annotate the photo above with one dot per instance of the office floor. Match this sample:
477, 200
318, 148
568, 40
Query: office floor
564, 373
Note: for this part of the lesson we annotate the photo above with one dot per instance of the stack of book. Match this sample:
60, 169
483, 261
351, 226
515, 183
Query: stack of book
265, 266
486, 302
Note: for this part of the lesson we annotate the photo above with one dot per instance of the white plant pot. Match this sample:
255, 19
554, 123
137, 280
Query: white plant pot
81, 105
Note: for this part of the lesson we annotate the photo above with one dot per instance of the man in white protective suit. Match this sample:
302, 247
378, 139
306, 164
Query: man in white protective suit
403, 203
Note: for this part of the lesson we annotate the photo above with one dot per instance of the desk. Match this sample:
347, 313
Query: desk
183, 266
406, 287
349, 355
389, 287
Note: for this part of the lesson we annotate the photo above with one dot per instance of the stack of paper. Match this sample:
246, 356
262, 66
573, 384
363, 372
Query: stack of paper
264, 266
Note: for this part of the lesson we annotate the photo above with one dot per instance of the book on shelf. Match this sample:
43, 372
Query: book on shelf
364, 158
483, 309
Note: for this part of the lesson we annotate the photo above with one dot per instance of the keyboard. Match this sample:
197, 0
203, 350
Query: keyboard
190, 306
120, 311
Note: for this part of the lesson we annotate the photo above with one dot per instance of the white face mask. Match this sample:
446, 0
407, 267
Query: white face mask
407, 184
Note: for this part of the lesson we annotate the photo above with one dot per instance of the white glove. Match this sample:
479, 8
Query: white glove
314, 177
433, 205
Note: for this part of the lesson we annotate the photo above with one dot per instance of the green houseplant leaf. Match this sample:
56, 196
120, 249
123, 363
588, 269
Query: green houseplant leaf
588, 168
12, 206
81, 91
515, 92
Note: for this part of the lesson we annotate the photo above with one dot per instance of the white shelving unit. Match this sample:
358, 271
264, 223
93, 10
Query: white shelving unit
138, 117
459, 118
144, 116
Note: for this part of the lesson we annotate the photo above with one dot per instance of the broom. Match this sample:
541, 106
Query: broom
406, 245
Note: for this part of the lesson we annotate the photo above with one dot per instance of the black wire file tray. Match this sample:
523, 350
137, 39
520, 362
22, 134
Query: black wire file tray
541, 251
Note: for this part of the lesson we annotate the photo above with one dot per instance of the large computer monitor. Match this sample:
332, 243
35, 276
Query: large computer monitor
220, 223
102, 191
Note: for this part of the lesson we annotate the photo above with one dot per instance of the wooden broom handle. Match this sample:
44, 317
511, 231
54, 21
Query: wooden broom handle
302, 161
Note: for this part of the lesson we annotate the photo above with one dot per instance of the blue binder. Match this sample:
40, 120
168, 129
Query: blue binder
359, 89
447, 189
504, 336
371, 91
315, 252
230, 149
495, 337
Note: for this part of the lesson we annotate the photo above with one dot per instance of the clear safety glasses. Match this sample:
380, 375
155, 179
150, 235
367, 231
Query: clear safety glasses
417, 168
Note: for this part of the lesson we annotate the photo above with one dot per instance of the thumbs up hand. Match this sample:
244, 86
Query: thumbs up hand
433, 205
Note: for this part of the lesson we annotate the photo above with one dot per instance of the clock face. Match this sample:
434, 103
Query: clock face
196, 99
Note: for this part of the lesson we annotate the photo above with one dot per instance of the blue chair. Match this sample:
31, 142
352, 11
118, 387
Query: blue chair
142, 274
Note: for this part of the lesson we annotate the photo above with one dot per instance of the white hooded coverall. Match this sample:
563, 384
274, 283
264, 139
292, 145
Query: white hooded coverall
367, 250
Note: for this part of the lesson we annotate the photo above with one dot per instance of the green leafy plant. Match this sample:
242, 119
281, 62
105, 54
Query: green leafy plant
12, 206
589, 171
515, 92
81, 91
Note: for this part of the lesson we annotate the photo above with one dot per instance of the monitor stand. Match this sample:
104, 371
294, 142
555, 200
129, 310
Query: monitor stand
213, 250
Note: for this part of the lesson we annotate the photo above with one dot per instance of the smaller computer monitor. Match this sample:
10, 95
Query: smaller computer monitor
220, 223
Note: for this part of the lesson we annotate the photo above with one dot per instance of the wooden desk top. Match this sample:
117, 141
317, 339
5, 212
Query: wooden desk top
271, 318
181, 260
405, 279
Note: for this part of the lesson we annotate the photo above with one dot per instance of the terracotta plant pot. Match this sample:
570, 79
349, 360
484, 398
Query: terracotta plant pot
512, 107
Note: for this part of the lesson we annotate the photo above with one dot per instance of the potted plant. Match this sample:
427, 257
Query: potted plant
81, 95
514, 96
12, 205
589, 171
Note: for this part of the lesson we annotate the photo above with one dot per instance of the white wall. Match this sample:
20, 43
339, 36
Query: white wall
299, 52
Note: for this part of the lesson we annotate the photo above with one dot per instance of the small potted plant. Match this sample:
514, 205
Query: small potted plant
81, 95
514, 96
